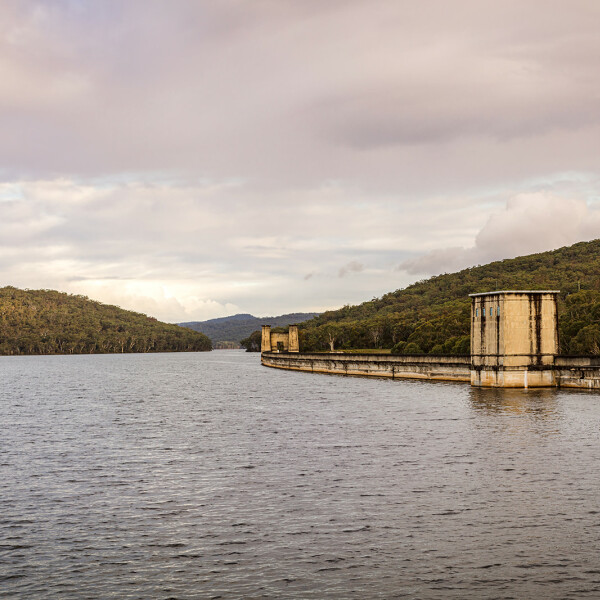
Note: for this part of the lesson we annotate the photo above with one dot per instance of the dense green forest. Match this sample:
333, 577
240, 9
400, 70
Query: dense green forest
433, 315
237, 327
252, 342
50, 322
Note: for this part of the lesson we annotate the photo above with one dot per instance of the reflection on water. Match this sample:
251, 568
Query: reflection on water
540, 402
538, 410
207, 475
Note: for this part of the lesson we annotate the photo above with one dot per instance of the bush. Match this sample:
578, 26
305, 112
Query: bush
399, 348
412, 348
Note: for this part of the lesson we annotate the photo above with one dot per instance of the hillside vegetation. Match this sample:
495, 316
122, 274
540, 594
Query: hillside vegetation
433, 315
50, 322
237, 327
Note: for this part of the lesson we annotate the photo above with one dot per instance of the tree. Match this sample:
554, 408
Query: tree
333, 332
253, 342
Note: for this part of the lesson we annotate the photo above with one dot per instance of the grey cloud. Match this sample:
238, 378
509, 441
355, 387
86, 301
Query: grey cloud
352, 267
264, 91
442, 260
385, 117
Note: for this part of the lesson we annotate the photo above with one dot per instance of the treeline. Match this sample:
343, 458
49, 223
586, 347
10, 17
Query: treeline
51, 322
433, 315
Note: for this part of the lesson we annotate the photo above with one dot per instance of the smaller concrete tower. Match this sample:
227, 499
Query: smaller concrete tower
265, 343
293, 343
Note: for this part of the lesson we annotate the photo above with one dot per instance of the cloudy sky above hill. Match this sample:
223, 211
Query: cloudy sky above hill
194, 159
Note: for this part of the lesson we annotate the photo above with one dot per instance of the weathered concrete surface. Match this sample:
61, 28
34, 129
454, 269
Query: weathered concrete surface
279, 342
514, 338
265, 340
443, 368
514, 377
293, 340
582, 372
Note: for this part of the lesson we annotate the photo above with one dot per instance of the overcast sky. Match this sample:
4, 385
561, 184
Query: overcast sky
198, 158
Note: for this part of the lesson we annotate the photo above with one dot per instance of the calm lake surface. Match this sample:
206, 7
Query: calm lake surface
209, 476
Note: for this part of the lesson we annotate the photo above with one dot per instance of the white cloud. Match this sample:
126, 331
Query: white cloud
181, 251
190, 157
530, 223
173, 301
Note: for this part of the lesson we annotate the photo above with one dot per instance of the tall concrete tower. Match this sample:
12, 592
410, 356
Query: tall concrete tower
514, 338
293, 343
265, 341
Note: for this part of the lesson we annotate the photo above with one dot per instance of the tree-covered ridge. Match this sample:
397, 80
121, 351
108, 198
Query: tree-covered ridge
50, 322
433, 315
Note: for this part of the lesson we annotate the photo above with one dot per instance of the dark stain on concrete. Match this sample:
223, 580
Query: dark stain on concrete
497, 326
535, 327
482, 348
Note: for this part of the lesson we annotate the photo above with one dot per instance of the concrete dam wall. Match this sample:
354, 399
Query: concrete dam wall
442, 368
514, 343
579, 372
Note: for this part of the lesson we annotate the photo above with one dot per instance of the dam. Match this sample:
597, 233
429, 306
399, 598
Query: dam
514, 344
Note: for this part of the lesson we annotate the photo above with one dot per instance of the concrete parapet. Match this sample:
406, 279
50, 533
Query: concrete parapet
443, 368
567, 372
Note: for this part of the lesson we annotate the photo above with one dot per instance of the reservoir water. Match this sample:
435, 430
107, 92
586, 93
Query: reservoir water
208, 476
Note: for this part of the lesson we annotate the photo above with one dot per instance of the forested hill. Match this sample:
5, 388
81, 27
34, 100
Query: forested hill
238, 327
433, 316
50, 322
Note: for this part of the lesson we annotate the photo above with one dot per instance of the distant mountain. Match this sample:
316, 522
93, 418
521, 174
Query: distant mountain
50, 322
238, 327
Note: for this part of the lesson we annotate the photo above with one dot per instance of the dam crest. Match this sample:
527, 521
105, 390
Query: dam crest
514, 344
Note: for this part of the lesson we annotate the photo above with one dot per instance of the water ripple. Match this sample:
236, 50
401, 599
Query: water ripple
207, 476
